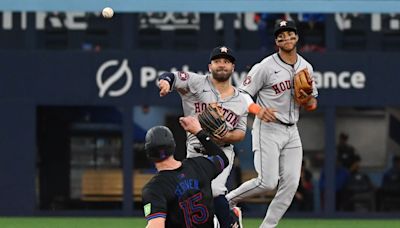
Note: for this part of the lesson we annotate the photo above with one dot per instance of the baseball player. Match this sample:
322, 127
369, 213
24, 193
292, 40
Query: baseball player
276, 143
180, 194
196, 92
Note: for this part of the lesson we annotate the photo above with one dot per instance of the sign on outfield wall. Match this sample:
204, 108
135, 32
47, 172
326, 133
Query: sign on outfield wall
130, 78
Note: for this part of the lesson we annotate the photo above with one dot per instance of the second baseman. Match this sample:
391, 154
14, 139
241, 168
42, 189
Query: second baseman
196, 92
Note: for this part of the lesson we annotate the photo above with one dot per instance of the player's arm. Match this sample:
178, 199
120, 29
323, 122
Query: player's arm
156, 223
312, 104
265, 114
166, 80
233, 136
154, 206
192, 125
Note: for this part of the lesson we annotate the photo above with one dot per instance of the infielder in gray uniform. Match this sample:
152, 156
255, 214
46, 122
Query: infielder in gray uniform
276, 144
196, 92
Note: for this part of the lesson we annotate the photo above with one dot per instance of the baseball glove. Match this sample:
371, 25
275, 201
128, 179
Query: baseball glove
302, 87
212, 121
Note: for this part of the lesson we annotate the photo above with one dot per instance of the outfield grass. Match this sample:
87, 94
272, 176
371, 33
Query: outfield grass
22, 222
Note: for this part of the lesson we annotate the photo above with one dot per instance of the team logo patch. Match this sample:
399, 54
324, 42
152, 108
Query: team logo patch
147, 209
183, 75
247, 80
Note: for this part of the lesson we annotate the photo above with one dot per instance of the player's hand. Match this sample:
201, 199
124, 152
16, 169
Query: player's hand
190, 124
220, 140
164, 87
267, 114
305, 96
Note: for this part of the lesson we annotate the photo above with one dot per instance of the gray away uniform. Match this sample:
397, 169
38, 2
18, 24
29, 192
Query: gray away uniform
277, 147
196, 92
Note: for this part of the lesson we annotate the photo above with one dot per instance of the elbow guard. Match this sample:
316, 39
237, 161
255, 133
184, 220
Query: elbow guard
169, 77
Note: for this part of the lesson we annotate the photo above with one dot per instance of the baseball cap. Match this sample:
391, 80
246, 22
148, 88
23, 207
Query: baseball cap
222, 52
284, 25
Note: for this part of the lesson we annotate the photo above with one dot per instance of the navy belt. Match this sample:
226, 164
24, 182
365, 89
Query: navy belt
286, 124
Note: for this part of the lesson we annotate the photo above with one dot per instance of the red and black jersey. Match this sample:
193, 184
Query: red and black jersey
183, 196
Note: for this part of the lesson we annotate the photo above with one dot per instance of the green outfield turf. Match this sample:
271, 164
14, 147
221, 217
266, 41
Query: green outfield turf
17, 222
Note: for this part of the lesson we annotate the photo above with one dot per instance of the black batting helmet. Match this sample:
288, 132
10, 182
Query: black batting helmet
160, 143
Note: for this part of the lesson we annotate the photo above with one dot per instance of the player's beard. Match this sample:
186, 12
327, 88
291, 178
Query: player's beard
221, 75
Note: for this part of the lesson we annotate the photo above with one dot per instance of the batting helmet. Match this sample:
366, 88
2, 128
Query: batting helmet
160, 143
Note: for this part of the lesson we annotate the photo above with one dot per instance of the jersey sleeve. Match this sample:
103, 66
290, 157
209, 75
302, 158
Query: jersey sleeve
242, 124
154, 203
254, 80
211, 165
186, 82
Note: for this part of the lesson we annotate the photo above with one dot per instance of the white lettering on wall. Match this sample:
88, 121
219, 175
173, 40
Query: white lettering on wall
343, 80
149, 74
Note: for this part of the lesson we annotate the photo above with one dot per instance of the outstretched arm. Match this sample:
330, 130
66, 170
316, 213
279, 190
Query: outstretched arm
192, 125
166, 80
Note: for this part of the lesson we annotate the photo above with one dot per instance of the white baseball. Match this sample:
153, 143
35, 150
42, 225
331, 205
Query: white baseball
108, 12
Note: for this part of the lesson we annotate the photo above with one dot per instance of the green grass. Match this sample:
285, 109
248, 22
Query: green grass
22, 222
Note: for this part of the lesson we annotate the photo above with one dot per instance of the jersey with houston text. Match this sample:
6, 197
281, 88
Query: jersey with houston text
197, 91
183, 196
272, 81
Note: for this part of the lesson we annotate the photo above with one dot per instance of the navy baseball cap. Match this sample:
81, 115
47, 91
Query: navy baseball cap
283, 25
222, 52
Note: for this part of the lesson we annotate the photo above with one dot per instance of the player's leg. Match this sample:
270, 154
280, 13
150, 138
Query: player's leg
218, 186
289, 176
266, 160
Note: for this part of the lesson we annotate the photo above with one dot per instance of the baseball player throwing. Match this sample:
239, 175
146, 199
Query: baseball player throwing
276, 144
197, 91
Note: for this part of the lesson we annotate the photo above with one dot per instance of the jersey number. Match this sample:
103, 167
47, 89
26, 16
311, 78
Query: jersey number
193, 211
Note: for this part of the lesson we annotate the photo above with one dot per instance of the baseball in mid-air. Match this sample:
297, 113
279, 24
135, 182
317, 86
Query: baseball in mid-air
108, 12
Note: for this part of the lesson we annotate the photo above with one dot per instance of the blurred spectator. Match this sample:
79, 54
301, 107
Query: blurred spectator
265, 23
359, 190
312, 29
392, 176
342, 176
313, 19
389, 193
304, 197
345, 152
